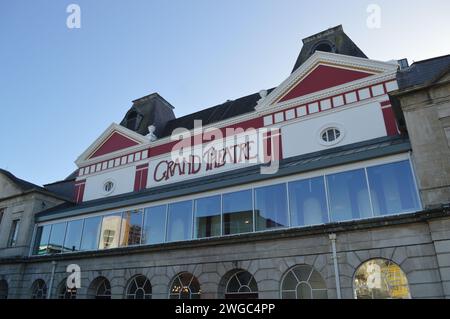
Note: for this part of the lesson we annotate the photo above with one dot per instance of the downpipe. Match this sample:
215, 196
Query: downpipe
332, 238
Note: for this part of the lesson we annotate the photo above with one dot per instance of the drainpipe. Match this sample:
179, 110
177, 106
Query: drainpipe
335, 262
50, 285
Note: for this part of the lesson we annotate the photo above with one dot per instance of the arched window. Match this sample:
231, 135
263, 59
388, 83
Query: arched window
139, 287
324, 46
303, 282
3, 289
133, 120
100, 288
39, 289
380, 279
185, 286
241, 285
66, 293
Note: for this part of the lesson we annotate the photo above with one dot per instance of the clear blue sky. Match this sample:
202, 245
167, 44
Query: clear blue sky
61, 88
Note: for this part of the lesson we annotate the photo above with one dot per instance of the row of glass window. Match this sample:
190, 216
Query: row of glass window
357, 194
374, 279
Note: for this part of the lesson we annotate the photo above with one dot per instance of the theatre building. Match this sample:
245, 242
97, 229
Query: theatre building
334, 184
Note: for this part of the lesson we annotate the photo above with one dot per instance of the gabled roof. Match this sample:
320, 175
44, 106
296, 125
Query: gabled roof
27, 187
115, 138
327, 70
423, 73
20, 183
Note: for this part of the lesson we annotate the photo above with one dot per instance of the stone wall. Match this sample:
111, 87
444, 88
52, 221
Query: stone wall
420, 246
427, 116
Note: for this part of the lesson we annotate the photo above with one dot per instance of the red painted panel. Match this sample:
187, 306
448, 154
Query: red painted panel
389, 121
323, 77
140, 179
144, 177
79, 191
114, 143
137, 180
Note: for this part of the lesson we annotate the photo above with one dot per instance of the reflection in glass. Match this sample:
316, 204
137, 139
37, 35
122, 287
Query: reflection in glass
91, 232
308, 202
110, 231
271, 207
303, 282
55, 244
348, 196
73, 235
154, 225
42, 238
392, 189
185, 286
207, 217
102, 288
180, 221
39, 289
237, 212
380, 279
131, 228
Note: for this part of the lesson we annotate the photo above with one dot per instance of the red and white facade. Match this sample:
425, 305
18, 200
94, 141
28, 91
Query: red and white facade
328, 90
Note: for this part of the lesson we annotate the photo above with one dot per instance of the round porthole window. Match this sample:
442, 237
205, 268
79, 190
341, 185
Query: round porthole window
108, 187
331, 135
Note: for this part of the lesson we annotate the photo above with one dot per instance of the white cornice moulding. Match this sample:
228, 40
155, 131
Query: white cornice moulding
318, 57
328, 93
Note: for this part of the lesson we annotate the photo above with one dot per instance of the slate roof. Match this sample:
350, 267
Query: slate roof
335, 38
215, 114
22, 184
423, 73
63, 191
318, 160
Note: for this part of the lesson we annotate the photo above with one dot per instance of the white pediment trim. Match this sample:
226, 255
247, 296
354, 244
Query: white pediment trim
378, 68
83, 159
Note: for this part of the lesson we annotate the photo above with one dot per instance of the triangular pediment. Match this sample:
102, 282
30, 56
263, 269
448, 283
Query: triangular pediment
114, 142
114, 139
324, 72
323, 77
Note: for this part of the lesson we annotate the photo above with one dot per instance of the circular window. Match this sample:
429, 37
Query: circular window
330, 134
108, 187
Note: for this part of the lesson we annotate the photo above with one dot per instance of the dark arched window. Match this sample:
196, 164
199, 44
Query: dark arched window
324, 46
133, 120
39, 289
139, 287
66, 293
3, 289
100, 288
241, 285
303, 282
185, 286
380, 279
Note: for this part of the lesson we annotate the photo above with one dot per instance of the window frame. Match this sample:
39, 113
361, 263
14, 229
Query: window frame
312, 270
251, 189
138, 287
13, 233
390, 262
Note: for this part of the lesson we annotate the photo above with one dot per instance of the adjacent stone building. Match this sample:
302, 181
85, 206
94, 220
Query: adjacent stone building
334, 184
